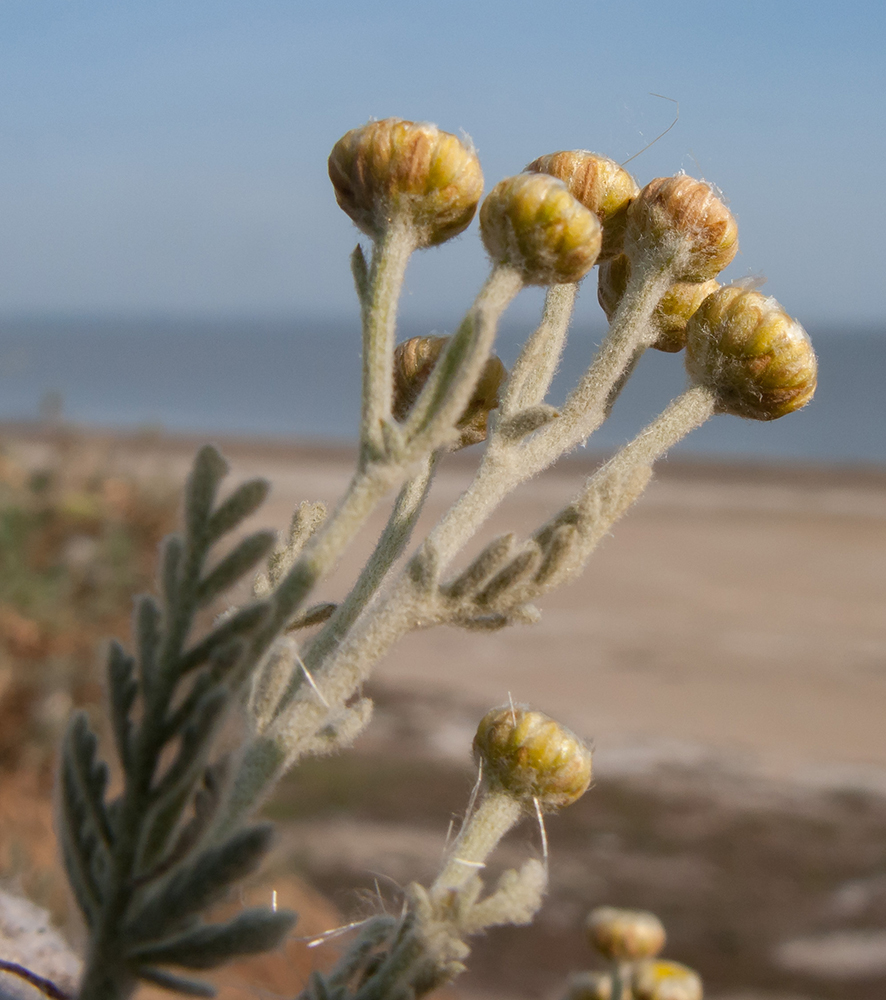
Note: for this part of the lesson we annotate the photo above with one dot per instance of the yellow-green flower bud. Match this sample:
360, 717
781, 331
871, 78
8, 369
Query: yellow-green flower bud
671, 315
532, 757
408, 171
414, 361
600, 184
751, 354
683, 209
625, 935
590, 986
532, 223
658, 980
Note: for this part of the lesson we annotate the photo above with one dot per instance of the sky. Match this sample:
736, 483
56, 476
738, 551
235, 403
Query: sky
169, 158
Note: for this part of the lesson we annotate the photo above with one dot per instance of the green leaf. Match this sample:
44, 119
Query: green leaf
147, 637
251, 931
170, 561
201, 883
176, 984
84, 827
245, 500
235, 564
196, 741
123, 691
240, 623
208, 471
485, 564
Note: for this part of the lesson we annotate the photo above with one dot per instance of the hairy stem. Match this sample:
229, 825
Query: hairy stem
495, 814
531, 376
390, 546
379, 313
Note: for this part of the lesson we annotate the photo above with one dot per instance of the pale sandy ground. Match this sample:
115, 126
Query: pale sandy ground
736, 614
734, 623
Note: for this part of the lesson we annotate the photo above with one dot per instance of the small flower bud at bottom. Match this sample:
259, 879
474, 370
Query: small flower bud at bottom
532, 223
532, 757
684, 209
658, 980
600, 184
414, 361
625, 935
751, 354
590, 986
671, 315
408, 170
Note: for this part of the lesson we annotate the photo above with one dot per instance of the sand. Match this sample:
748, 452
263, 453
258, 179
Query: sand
736, 615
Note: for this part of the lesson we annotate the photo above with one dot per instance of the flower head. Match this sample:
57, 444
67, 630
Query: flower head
686, 217
532, 757
751, 354
659, 980
625, 935
600, 184
406, 171
532, 223
414, 361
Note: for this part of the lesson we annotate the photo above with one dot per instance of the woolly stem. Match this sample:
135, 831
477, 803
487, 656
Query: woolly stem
495, 814
531, 376
390, 546
379, 313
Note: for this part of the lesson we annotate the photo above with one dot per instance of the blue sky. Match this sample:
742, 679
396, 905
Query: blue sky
170, 157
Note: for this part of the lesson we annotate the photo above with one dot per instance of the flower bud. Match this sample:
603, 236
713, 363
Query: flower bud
625, 935
590, 986
751, 354
532, 757
658, 980
685, 209
671, 315
410, 171
533, 224
414, 361
600, 184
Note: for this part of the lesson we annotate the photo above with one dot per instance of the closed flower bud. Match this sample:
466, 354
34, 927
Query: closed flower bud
590, 986
687, 210
532, 757
414, 361
751, 354
671, 315
600, 184
658, 980
410, 171
625, 935
533, 224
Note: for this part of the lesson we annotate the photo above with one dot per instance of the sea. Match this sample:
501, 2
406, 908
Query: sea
298, 379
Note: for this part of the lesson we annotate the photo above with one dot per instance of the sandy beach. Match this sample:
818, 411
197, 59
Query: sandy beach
736, 614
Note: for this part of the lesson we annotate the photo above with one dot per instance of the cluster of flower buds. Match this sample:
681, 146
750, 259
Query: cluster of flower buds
631, 941
532, 758
414, 361
551, 224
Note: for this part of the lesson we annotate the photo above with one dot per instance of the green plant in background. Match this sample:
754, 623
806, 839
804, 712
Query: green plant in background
76, 540
145, 864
